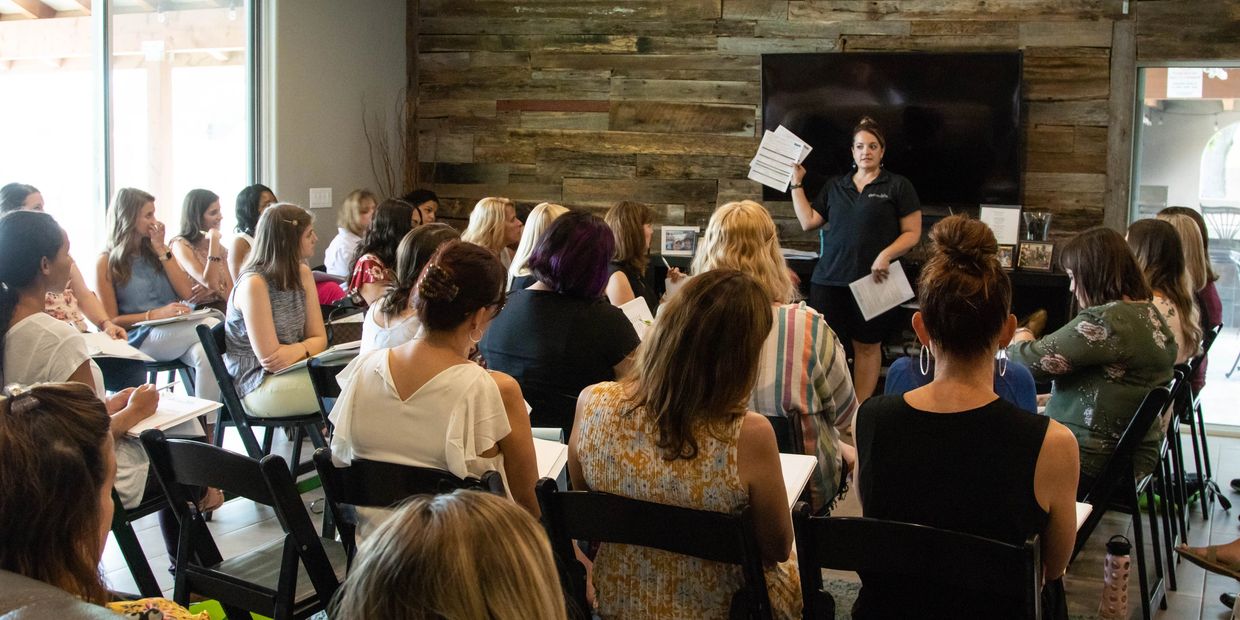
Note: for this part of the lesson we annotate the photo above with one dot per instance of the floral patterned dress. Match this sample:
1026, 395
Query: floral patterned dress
369, 269
64, 307
1103, 363
618, 455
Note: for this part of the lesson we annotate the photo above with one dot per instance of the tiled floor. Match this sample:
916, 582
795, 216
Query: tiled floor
241, 525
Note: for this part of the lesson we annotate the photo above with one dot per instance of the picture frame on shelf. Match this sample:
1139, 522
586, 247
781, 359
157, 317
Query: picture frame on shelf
1007, 255
678, 240
1036, 256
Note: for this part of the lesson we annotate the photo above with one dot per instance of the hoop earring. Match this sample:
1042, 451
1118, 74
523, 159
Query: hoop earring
471, 335
1003, 362
924, 361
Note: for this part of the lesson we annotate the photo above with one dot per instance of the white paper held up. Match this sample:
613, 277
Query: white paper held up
875, 298
639, 315
778, 155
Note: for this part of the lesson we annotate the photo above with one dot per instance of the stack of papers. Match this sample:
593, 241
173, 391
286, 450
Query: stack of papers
778, 155
639, 315
174, 410
192, 316
99, 344
343, 351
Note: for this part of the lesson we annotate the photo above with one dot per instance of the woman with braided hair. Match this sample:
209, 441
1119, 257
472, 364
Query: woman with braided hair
424, 403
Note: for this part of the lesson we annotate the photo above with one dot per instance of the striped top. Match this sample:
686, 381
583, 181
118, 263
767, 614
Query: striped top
288, 313
804, 374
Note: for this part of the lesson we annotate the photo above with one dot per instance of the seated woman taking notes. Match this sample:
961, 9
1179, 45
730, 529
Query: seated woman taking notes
273, 318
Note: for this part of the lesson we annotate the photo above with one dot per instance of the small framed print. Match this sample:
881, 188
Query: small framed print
1006, 253
678, 240
1036, 256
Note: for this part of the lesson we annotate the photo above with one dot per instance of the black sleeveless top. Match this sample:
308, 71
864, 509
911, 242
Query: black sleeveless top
970, 471
640, 287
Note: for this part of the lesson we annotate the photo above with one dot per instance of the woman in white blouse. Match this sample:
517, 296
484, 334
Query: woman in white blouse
354, 219
424, 403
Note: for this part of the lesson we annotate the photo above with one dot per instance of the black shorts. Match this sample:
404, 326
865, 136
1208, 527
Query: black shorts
837, 305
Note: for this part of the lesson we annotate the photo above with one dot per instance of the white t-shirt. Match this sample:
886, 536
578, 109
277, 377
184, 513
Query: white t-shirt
41, 349
397, 331
447, 423
339, 256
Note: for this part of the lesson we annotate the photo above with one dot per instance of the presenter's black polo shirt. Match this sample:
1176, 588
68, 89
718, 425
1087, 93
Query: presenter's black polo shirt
859, 224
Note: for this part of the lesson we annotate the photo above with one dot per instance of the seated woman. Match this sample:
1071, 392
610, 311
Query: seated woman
493, 224
539, 220
351, 224
425, 201
677, 432
200, 250
251, 202
273, 318
77, 303
803, 372
57, 470
393, 321
1160, 255
1192, 230
495, 555
1013, 382
952, 454
375, 257
1104, 361
139, 281
630, 223
559, 335
36, 348
424, 403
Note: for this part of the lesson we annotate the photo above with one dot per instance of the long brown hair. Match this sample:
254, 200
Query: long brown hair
696, 368
124, 239
1104, 268
1159, 252
277, 245
964, 294
626, 220
53, 463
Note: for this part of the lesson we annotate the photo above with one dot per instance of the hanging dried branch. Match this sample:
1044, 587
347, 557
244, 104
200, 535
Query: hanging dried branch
392, 147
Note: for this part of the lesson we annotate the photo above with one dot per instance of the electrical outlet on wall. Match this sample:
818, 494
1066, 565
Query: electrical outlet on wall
320, 197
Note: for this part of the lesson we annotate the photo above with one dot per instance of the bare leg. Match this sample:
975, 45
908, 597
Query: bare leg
867, 359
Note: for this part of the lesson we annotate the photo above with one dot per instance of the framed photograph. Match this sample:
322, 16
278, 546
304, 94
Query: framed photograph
678, 240
1036, 256
1007, 252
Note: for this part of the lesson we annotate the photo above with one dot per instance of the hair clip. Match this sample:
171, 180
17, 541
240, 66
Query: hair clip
21, 400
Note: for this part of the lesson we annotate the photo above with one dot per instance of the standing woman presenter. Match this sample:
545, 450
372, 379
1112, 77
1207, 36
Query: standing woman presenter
875, 218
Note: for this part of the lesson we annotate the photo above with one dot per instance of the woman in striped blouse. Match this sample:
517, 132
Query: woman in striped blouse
803, 376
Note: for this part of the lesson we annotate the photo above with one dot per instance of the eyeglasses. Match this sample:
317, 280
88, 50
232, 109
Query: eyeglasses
498, 304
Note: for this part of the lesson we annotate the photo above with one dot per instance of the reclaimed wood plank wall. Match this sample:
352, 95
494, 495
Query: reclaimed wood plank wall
586, 102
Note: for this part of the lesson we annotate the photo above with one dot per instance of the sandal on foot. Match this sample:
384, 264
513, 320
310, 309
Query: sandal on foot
212, 500
1209, 560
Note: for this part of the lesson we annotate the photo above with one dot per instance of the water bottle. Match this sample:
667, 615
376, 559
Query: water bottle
1115, 569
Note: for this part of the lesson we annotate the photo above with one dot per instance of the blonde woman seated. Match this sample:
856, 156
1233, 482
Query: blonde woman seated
1160, 254
392, 321
352, 222
273, 318
200, 249
493, 224
540, 218
424, 403
494, 557
677, 432
803, 373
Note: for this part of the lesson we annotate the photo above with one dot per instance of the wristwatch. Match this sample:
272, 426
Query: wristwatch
166, 255
796, 186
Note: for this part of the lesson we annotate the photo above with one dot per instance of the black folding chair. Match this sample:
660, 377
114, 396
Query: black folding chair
127, 540
607, 518
307, 425
1117, 488
914, 553
292, 577
377, 484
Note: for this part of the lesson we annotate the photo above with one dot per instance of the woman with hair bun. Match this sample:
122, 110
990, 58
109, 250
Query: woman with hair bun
875, 218
1107, 358
920, 457
424, 402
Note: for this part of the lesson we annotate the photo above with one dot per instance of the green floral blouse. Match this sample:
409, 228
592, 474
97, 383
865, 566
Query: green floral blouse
1103, 363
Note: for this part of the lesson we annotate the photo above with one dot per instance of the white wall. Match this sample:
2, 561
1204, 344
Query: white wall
324, 57
1171, 154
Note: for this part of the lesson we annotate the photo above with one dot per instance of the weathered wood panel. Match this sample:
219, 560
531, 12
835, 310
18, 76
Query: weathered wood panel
667, 117
608, 191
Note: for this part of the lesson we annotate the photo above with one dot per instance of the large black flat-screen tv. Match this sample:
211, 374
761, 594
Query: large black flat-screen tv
952, 120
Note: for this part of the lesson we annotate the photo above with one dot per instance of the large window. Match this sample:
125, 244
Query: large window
179, 88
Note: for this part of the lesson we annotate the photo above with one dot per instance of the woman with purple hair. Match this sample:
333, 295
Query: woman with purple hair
560, 334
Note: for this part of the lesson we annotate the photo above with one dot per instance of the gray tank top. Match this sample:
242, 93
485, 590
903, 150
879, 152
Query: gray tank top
288, 309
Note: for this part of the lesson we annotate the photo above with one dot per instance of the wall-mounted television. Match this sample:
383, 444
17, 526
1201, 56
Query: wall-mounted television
952, 120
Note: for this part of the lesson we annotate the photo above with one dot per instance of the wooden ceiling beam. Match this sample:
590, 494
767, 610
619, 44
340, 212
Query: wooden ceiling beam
35, 9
